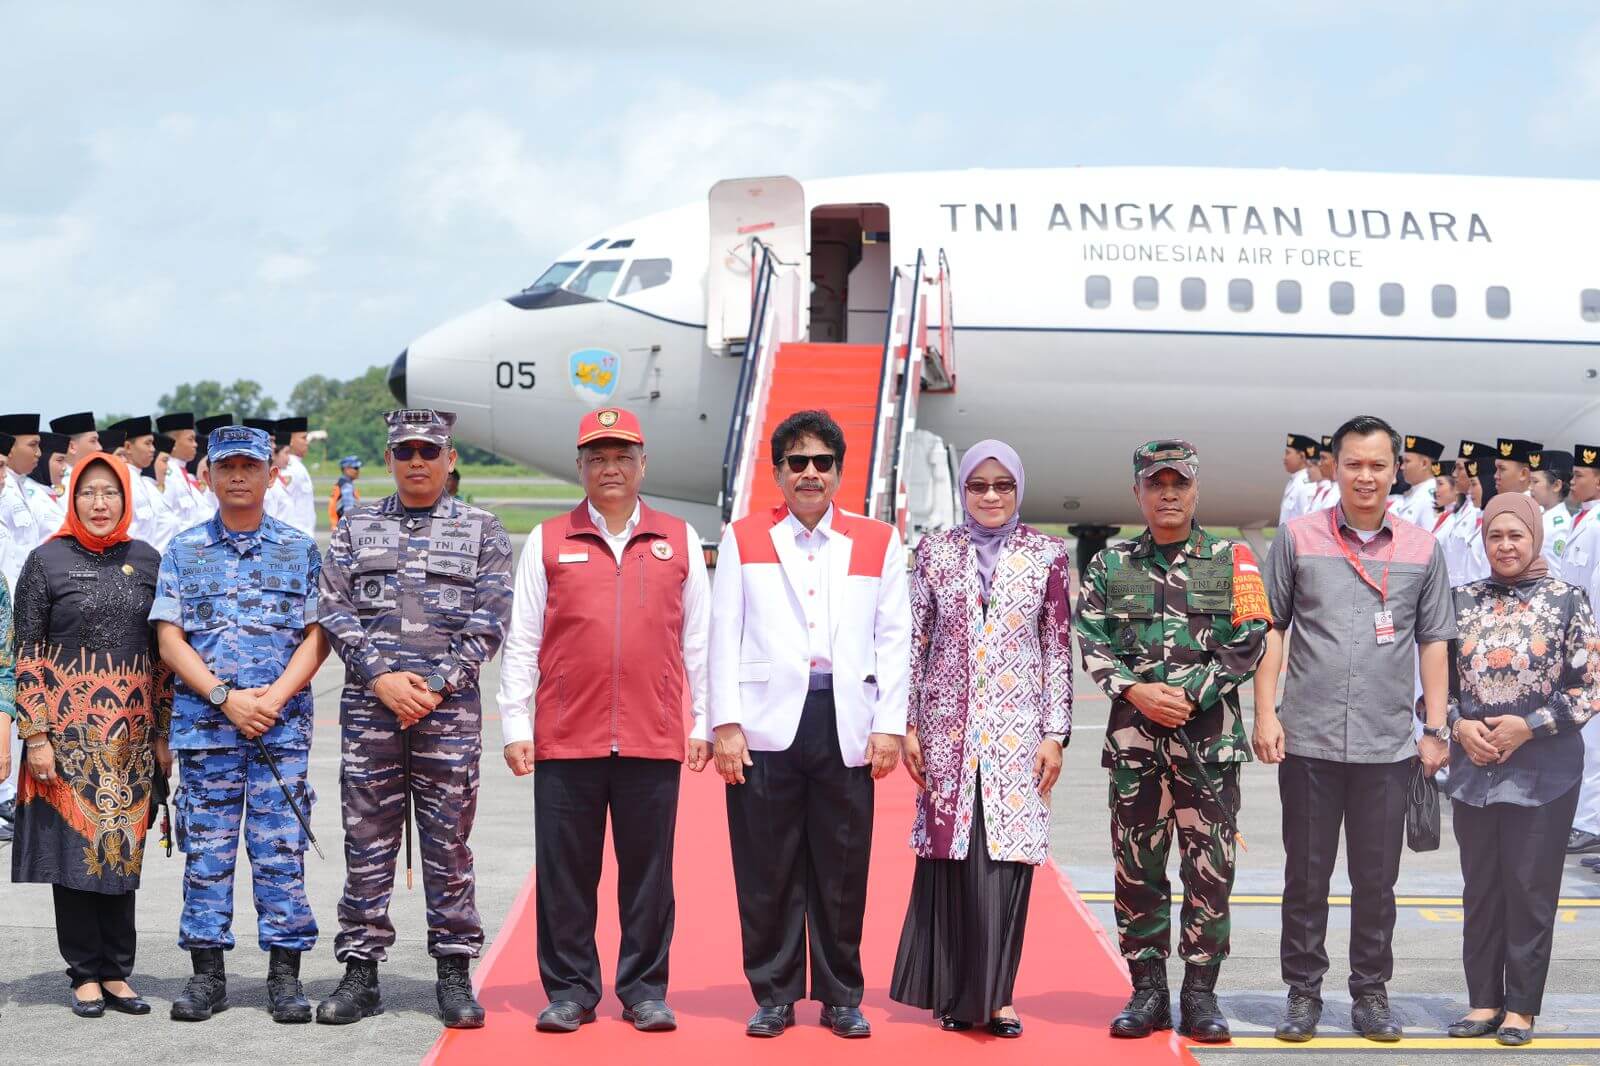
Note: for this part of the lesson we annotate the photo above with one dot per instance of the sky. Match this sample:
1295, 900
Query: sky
275, 189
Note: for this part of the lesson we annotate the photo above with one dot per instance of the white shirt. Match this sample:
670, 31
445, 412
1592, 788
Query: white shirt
153, 521
184, 496
1581, 556
1416, 506
811, 562
519, 662
302, 506
1324, 494
277, 502
30, 518
1296, 495
1557, 527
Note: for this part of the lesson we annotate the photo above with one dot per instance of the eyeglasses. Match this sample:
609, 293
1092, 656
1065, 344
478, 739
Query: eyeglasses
1001, 486
798, 463
404, 452
96, 495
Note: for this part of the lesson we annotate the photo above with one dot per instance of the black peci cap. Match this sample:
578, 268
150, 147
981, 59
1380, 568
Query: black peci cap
177, 420
1424, 446
73, 424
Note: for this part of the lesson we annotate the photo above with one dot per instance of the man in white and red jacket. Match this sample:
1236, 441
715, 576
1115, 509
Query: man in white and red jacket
810, 663
608, 623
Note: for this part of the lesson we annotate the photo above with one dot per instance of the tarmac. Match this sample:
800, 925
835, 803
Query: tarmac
1427, 992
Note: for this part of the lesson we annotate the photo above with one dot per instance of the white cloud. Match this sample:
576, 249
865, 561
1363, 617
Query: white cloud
283, 268
127, 314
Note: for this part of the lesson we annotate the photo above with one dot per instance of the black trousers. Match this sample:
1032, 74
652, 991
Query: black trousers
801, 831
95, 933
1369, 801
1511, 860
571, 798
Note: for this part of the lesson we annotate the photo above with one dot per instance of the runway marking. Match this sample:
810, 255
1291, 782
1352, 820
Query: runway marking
1425, 1043
1344, 901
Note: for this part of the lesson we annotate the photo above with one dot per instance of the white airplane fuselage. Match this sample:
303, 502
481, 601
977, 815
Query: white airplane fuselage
1075, 371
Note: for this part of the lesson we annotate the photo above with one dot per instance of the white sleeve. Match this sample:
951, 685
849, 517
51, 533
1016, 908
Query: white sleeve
727, 633
519, 657
697, 634
892, 641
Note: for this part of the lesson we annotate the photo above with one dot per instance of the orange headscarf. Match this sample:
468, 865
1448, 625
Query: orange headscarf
74, 526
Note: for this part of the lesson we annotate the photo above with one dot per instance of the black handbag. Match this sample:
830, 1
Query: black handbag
1422, 811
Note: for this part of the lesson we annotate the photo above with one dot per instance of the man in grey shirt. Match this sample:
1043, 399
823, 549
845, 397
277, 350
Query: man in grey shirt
1369, 596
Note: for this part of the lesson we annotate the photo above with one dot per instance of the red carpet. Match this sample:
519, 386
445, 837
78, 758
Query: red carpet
1070, 985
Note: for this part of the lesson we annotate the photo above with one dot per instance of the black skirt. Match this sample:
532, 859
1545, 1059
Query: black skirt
962, 940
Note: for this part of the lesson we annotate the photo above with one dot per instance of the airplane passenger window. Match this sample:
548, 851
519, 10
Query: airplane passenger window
596, 279
553, 278
1497, 301
646, 274
1146, 292
1341, 297
1192, 294
1590, 305
1289, 297
1444, 301
1097, 291
1391, 298
1241, 294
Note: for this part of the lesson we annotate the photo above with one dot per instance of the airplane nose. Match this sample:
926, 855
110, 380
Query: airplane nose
397, 378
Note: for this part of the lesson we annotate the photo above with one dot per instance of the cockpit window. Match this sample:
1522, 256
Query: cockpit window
625, 243
646, 274
601, 243
554, 277
595, 279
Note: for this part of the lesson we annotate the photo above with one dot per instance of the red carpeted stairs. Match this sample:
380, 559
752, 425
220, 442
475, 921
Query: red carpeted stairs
842, 379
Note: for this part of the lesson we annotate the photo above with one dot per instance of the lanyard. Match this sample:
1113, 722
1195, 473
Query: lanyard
1442, 519
1355, 564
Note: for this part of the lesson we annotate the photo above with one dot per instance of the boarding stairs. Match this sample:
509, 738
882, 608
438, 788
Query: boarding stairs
871, 390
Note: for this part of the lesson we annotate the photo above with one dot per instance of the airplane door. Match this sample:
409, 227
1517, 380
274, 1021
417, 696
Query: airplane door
742, 211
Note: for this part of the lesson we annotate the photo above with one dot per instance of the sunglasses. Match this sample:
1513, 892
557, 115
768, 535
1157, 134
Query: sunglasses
1002, 486
404, 452
798, 463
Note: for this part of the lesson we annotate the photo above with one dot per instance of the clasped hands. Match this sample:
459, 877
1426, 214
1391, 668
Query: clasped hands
407, 695
1492, 740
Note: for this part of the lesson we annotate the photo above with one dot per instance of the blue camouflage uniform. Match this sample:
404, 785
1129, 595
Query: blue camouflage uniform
427, 592
244, 601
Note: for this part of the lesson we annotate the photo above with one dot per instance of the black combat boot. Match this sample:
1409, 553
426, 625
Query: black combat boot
207, 991
457, 1007
355, 998
1150, 1006
1200, 1017
286, 1000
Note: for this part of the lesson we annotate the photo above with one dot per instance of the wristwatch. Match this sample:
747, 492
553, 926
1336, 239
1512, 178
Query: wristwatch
219, 695
437, 683
1442, 733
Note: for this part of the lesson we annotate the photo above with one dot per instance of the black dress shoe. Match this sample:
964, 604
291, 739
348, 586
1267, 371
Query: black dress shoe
88, 1008
1511, 1036
651, 1016
1300, 1019
564, 1016
953, 1025
134, 1004
1008, 1028
847, 1022
1467, 1029
1370, 1017
770, 1021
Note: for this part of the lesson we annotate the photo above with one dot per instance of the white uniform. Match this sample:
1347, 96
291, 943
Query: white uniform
30, 518
1323, 495
1581, 556
1296, 494
278, 502
302, 510
1417, 505
1580, 565
153, 521
1557, 527
184, 496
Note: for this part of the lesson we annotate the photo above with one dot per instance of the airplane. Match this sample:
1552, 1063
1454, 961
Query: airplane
1072, 312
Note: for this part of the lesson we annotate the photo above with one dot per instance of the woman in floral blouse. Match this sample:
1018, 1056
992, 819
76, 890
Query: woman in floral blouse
1523, 681
991, 707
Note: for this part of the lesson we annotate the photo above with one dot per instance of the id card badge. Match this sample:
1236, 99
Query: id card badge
1383, 626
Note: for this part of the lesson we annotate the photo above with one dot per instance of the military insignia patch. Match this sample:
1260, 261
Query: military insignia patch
661, 550
1411, 442
1249, 591
1466, 448
607, 418
1590, 455
1505, 448
450, 597
1535, 459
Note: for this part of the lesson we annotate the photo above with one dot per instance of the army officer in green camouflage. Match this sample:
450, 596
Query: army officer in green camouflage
1171, 623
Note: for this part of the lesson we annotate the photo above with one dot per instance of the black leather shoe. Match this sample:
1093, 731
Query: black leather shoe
1006, 1028
88, 1008
770, 1021
1511, 1036
847, 1022
124, 1004
1467, 1029
207, 991
458, 1007
357, 996
1299, 1019
564, 1016
1200, 1017
1370, 1017
1149, 1009
953, 1025
651, 1016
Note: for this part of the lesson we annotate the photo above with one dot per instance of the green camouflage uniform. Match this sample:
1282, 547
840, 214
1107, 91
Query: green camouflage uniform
1198, 623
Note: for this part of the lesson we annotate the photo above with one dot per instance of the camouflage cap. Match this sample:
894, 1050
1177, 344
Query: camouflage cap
1152, 457
247, 441
420, 423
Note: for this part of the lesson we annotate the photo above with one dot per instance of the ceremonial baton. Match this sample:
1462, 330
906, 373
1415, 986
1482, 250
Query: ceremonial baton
1205, 780
405, 771
305, 823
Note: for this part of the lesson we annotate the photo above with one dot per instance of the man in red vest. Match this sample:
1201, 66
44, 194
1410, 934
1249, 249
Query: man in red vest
609, 623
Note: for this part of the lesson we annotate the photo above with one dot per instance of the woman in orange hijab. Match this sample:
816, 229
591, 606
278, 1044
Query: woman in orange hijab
93, 705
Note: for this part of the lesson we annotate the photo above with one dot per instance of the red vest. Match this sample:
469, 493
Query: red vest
611, 661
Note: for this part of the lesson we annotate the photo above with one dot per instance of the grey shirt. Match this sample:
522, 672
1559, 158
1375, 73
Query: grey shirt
1349, 698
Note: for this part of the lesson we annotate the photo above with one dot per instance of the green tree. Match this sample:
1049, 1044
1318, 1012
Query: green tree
243, 399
